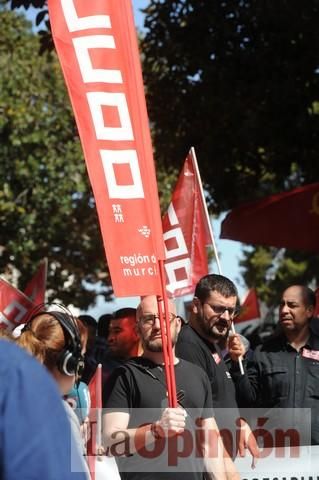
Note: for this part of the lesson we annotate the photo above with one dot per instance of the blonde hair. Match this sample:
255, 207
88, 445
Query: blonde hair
45, 339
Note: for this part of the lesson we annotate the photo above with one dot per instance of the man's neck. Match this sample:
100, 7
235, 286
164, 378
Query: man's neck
299, 338
158, 357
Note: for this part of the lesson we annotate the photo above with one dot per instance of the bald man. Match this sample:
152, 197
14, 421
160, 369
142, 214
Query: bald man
284, 371
138, 418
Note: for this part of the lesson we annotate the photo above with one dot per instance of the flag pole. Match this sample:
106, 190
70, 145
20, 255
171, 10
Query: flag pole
167, 343
99, 407
209, 225
210, 228
165, 352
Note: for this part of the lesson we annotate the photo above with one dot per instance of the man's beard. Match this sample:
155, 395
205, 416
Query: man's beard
213, 331
156, 345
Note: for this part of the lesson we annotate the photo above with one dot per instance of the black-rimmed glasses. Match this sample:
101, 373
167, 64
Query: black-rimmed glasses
220, 309
150, 318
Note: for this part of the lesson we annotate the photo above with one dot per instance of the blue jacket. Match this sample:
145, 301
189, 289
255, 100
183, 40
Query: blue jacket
35, 442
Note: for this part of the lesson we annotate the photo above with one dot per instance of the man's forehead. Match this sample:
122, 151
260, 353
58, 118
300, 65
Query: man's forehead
120, 322
293, 294
219, 297
149, 304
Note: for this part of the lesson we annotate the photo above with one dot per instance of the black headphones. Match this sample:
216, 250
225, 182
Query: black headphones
70, 361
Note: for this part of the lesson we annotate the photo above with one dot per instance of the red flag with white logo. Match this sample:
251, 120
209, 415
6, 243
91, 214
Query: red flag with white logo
14, 306
288, 220
97, 47
186, 233
250, 308
35, 289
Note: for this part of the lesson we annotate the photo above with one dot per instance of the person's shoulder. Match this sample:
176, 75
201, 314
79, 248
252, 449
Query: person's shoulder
22, 371
186, 331
126, 368
188, 335
194, 372
314, 326
191, 368
14, 358
10, 353
272, 344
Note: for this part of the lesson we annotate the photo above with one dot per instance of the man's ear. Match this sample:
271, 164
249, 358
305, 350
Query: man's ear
194, 305
178, 324
310, 311
137, 330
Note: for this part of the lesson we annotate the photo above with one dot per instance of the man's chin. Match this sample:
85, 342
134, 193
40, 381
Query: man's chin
154, 346
218, 334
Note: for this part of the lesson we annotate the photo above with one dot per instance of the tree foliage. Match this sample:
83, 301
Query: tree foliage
239, 80
46, 205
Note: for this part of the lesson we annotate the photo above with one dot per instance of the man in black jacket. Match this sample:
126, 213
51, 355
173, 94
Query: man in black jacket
284, 372
214, 307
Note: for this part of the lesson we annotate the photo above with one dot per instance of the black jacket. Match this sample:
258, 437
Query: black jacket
278, 376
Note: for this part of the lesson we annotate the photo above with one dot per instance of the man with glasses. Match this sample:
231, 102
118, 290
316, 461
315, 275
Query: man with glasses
143, 431
213, 308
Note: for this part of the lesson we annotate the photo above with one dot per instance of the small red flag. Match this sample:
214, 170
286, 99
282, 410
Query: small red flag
186, 234
316, 313
288, 220
250, 307
95, 440
95, 388
14, 306
36, 287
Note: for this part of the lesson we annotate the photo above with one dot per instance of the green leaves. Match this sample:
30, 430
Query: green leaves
239, 81
45, 198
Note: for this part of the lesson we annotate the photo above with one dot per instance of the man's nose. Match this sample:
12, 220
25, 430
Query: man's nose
284, 308
157, 323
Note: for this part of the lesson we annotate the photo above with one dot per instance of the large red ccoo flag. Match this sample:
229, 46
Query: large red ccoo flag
186, 233
289, 220
97, 47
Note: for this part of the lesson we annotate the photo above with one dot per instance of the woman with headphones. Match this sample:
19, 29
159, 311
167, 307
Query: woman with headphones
58, 341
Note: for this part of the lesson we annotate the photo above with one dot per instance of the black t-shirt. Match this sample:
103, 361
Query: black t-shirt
192, 347
139, 388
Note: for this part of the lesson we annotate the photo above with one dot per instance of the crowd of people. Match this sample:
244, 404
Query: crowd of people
218, 405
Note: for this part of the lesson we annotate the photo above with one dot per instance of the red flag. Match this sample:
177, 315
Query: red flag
95, 441
95, 388
36, 287
289, 220
186, 234
97, 46
249, 308
14, 306
316, 313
